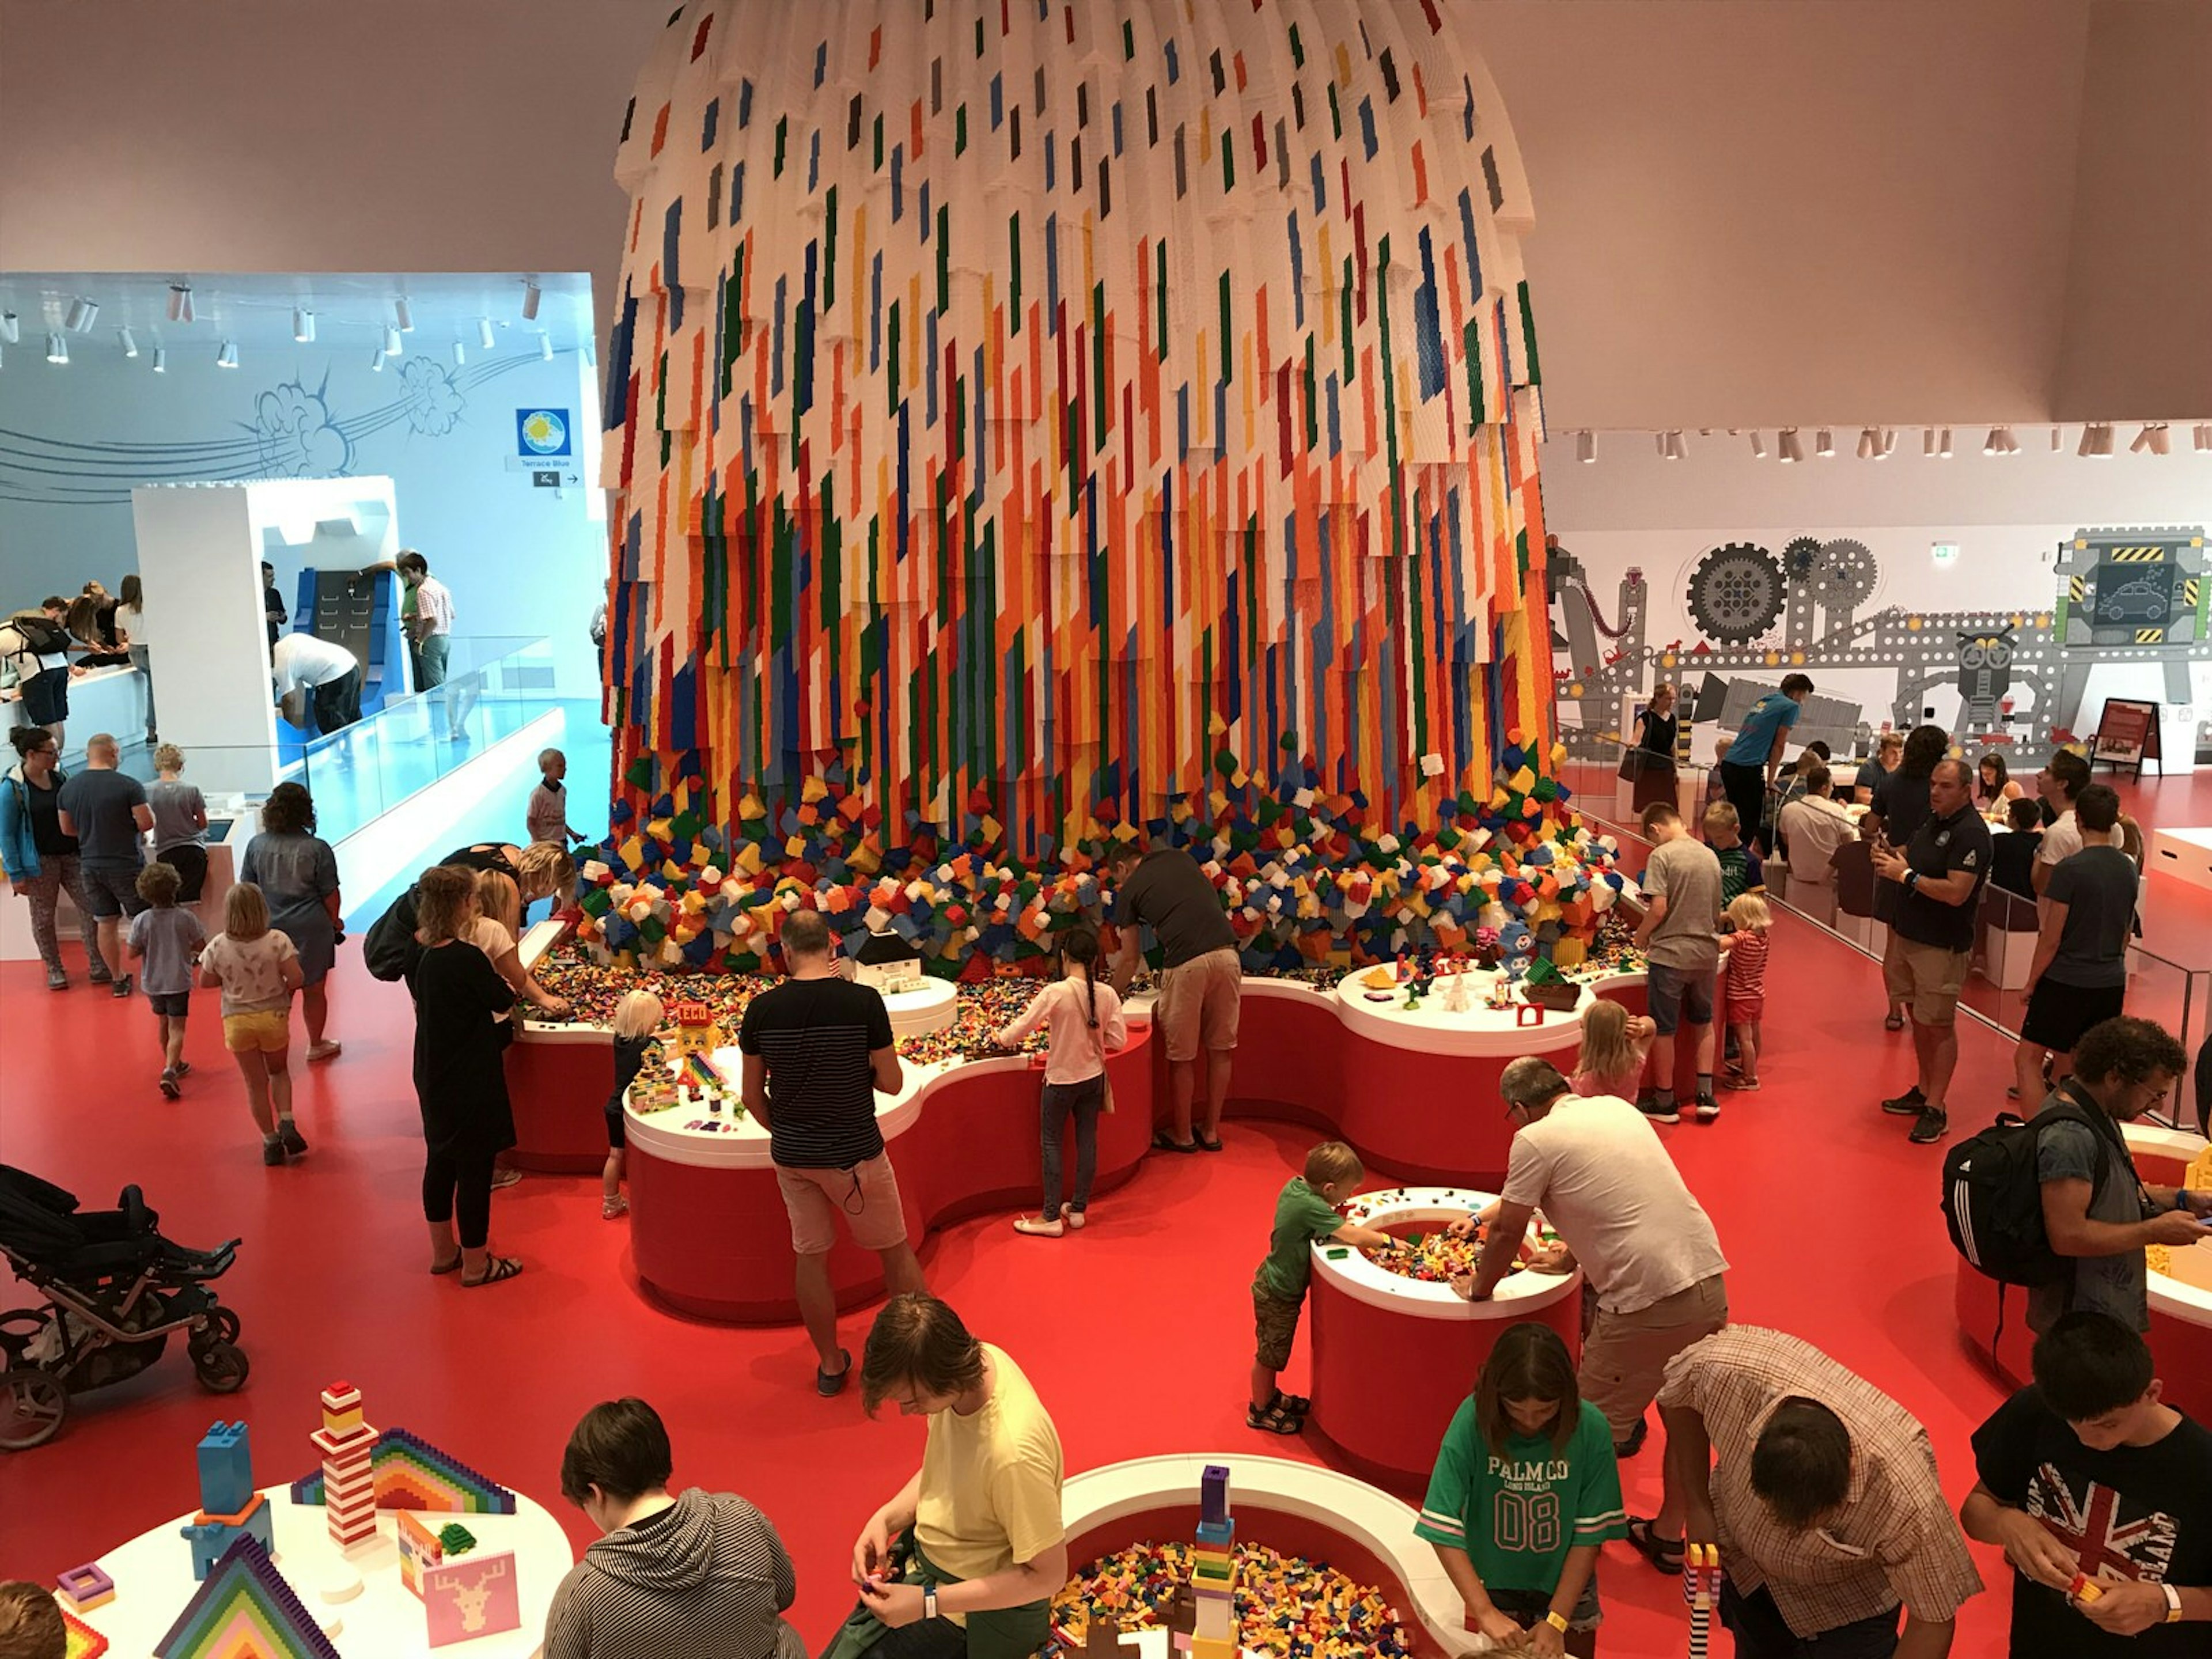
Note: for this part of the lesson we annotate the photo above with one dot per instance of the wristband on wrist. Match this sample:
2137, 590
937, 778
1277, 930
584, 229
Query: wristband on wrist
2181, 1199
2172, 1604
929, 1601
1558, 1620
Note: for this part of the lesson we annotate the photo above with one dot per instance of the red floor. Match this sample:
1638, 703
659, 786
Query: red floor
1828, 1215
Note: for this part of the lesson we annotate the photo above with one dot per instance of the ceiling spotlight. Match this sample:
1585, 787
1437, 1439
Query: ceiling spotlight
1824, 444
529, 300
1943, 444
228, 357
2141, 443
161, 360
12, 330
1675, 449
180, 303
1791, 447
57, 348
1585, 440
392, 347
376, 361
485, 338
1928, 443
303, 325
402, 315
460, 353
1869, 443
2096, 442
1994, 444
2154, 437
2058, 438
545, 351
1758, 447
82, 313
129, 345
2203, 433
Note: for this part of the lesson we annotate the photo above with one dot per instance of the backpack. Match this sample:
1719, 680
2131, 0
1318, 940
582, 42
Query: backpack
1993, 1199
390, 949
41, 635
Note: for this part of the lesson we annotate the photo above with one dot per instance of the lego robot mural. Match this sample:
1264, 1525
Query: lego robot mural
2123, 595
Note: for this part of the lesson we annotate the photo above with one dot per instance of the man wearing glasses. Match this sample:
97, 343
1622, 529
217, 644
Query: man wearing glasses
2096, 1209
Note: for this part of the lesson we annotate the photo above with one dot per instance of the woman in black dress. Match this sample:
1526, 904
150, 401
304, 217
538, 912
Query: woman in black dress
460, 1081
1656, 725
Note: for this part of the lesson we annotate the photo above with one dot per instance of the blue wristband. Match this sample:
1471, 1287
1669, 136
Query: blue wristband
2181, 1199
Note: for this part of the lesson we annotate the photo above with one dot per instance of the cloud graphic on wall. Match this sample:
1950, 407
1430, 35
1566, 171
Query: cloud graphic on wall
433, 402
298, 438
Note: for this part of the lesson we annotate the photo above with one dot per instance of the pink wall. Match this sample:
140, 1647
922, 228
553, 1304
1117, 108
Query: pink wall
1747, 211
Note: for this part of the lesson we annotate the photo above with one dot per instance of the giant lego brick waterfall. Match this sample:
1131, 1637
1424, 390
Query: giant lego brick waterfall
1031, 425
1306, 878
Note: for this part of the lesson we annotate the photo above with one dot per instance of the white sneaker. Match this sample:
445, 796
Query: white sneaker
1037, 1225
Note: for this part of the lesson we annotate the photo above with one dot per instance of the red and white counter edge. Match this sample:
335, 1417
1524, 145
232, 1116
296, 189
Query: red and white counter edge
2180, 1312
1393, 1357
1293, 1508
1415, 1091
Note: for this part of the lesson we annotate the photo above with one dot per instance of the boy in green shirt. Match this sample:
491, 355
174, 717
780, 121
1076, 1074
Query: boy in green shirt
1305, 1213
1525, 1491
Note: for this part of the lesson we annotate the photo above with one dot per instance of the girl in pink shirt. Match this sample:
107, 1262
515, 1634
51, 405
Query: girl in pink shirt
1615, 1042
1084, 1019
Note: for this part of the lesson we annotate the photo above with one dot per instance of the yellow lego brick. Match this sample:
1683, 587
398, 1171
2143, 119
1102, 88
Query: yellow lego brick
749, 859
795, 847
812, 790
1569, 954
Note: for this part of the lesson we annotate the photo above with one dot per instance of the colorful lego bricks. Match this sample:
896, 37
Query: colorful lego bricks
79, 1639
229, 1506
1287, 1607
420, 1549
348, 1488
476, 1597
409, 1473
1213, 1570
85, 1587
244, 1610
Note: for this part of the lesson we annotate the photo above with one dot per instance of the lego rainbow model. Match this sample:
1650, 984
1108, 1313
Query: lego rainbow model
79, 1639
244, 1610
229, 1506
410, 1473
346, 1442
1213, 1573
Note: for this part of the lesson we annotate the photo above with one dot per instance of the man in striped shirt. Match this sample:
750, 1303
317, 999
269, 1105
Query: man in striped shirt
1822, 1494
816, 1050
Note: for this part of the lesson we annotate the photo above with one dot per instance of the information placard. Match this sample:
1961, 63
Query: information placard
2127, 735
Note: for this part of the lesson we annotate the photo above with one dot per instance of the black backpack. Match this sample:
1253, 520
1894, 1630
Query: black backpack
1993, 1199
390, 949
42, 636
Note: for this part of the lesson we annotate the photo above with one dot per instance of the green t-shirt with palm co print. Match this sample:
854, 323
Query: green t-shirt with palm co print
1301, 1216
1516, 1513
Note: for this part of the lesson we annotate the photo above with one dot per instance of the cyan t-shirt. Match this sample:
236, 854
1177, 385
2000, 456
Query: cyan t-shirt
1755, 737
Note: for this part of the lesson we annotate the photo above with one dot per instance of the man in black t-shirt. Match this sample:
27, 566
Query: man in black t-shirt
2089, 1478
1931, 937
2080, 974
816, 1050
1201, 980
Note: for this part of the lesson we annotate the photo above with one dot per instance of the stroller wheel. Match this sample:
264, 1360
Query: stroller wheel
221, 1367
32, 1403
222, 1326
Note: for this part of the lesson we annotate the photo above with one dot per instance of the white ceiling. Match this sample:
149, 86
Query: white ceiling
255, 308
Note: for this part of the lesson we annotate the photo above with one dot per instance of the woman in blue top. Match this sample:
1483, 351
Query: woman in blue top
1525, 1492
298, 874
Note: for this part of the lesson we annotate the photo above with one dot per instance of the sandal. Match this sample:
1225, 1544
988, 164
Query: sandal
1666, 1554
502, 1268
440, 1268
1296, 1404
1161, 1142
1273, 1420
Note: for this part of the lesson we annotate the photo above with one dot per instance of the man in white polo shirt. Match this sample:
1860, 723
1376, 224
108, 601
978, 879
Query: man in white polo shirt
1597, 1170
326, 671
431, 625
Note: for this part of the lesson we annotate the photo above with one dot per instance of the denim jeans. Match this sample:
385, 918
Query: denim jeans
1086, 1100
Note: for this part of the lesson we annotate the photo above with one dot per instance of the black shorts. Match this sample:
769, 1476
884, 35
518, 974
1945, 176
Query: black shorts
189, 861
45, 696
113, 888
175, 1004
2058, 1013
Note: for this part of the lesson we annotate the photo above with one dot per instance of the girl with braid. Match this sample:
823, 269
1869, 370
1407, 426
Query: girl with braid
1083, 1018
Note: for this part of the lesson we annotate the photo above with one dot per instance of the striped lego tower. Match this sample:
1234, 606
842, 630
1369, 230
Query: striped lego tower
349, 1483
1213, 1570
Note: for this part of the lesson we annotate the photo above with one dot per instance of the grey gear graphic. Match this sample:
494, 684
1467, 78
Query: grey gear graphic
1735, 594
1844, 576
1800, 557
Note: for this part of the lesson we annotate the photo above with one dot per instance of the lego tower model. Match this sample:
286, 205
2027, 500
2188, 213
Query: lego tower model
1213, 1570
228, 1503
349, 1483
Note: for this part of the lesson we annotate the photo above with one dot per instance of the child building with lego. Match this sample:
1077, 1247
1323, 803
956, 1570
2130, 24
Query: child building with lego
1116, 851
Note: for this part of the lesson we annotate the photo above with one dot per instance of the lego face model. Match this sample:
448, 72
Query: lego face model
1984, 667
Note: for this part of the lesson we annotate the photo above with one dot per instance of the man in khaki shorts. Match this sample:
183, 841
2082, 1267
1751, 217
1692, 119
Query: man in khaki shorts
816, 1049
1200, 981
1931, 937
1596, 1168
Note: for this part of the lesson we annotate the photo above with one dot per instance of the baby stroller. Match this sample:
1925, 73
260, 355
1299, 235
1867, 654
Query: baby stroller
115, 1290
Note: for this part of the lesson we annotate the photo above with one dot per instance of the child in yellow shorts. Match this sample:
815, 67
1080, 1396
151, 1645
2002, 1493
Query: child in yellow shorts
259, 971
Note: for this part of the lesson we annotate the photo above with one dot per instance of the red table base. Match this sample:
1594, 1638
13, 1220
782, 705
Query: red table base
716, 1241
559, 1093
1386, 1384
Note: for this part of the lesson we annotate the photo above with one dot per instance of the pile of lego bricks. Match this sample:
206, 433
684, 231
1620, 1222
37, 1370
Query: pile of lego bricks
1433, 1258
1286, 1605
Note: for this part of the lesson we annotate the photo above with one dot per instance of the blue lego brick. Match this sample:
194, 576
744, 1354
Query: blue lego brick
1214, 1493
211, 1540
1217, 1534
226, 1454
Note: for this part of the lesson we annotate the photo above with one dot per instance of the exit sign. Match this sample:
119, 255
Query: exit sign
1944, 552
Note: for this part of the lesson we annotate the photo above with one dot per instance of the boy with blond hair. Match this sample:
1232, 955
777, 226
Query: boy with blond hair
1305, 1214
1740, 871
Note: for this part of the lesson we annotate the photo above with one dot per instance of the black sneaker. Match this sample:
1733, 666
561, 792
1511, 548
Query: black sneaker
121, 987
1934, 1123
1708, 1109
102, 975
291, 1140
57, 980
272, 1152
169, 1084
1649, 1106
1908, 1104
183, 1068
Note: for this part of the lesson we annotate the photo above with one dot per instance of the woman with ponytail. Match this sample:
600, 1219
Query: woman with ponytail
1084, 1025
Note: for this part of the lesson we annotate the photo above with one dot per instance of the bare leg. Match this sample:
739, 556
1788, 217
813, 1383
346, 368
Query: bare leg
444, 1252
818, 1305
1662, 1061
280, 1084
1705, 1048
2062, 1066
1219, 1063
1937, 1047
173, 1041
1182, 1077
610, 1175
902, 1270
2027, 1072
1746, 1050
110, 945
1263, 1386
253, 1068
315, 1005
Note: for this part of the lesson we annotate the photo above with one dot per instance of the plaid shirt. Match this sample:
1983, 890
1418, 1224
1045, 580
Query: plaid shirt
1895, 1539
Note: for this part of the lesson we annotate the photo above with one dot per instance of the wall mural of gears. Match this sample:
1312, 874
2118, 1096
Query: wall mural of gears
1736, 593
1842, 575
